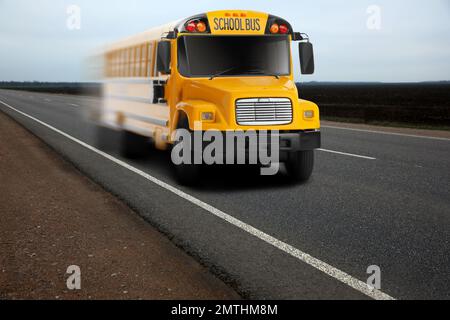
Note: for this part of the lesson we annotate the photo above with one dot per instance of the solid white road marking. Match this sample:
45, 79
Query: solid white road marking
348, 154
73, 105
294, 252
388, 133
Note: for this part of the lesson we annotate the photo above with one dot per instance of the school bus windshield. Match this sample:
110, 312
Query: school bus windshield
222, 56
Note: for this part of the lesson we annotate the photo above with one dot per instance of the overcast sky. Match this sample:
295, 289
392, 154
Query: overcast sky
411, 43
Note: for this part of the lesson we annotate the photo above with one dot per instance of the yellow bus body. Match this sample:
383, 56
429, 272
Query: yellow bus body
130, 79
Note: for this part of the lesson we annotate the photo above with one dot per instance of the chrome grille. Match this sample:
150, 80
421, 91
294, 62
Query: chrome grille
263, 111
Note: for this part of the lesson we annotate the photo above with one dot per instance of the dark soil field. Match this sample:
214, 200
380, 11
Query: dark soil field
91, 89
410, 104
425, 105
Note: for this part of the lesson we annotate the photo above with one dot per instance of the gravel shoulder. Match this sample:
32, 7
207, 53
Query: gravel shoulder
53, 217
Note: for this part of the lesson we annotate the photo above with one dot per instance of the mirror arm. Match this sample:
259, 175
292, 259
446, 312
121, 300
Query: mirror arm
169, 35
305, 36
299, 36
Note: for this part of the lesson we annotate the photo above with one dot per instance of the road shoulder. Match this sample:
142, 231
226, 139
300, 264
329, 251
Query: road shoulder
383, 129
53, 217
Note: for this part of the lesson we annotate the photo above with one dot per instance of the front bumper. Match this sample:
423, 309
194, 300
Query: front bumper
300, 141
288, 142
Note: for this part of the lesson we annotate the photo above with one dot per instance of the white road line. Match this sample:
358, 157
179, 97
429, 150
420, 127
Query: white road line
348, 154
388, 133
73, 105
294, 252
48, 100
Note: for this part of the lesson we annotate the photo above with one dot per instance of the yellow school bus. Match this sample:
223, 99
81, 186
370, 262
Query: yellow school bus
225, 70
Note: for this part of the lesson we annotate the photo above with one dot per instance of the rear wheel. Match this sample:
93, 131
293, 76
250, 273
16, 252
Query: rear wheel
133, 145
104, 138
300, 165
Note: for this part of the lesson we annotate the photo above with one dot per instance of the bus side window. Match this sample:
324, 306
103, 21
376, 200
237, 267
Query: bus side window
137, 61
149, 57
130, 62
123, 62
107, 65
144, 56
120, 63
116, 63
154, 45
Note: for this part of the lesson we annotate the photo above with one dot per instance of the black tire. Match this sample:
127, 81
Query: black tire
187, 174
300, 165
104, 138
132, 145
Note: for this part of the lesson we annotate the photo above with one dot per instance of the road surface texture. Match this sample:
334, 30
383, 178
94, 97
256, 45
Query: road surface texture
375, 198
53, 217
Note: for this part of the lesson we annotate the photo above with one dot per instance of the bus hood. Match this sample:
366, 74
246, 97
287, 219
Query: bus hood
220, 95
224, 91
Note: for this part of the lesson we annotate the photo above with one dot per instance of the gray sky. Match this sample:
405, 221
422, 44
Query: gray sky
412, 43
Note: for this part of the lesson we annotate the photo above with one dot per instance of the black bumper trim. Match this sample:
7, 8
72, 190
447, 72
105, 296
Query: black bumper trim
300, 141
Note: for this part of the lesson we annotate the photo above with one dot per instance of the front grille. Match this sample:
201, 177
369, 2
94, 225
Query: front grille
263, 111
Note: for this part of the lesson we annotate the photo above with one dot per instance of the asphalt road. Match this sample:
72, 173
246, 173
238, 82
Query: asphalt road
271, 239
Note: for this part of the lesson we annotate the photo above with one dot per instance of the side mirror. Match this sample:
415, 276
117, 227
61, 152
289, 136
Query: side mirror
163, 58
306, 54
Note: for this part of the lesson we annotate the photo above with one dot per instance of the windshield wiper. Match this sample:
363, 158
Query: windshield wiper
221, 72
262, 71
254, 70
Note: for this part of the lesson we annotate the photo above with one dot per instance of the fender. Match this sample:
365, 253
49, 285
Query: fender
305, 105
193, 110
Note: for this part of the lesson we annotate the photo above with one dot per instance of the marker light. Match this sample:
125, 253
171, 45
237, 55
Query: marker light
284, 29
308, 114
191, 27
207, 116
274, 28
201, 27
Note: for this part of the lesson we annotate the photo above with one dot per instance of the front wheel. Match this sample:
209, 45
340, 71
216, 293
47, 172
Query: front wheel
300, 165
187, 173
